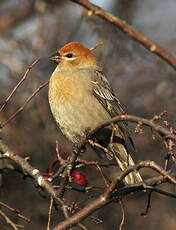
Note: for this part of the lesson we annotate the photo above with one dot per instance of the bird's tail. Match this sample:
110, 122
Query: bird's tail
124, 160
119, 145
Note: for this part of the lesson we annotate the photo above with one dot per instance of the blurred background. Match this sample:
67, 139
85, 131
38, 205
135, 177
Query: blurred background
143, 82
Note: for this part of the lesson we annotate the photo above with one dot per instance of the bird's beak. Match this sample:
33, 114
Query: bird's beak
55, 57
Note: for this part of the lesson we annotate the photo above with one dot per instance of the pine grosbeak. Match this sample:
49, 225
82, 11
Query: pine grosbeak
80, 98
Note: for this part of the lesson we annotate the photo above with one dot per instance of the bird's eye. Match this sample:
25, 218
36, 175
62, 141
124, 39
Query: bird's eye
69, 55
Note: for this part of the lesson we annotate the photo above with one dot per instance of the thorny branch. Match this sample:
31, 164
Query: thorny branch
124, 27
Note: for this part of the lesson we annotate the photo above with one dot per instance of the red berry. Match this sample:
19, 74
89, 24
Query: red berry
79, 178
47, 176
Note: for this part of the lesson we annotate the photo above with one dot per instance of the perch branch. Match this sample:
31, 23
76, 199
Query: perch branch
163, 132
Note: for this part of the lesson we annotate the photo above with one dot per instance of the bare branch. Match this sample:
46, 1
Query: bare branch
8, 220
160, 191
27, 168
106, 197
19, 84
16, 211
123, 215
24, 104
148, 204
124, 27
49, 214
163, 132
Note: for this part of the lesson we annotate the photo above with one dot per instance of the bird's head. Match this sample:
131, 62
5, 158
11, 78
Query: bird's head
75, 55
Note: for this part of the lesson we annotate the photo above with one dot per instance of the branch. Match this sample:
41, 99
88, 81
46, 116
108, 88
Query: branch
24, 104
163, 132
8, 220
106, 197
19, 83
124, 27
5, 152
160, 191
16, 211
109, 195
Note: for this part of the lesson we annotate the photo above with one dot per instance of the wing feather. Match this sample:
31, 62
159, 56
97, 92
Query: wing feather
105, 95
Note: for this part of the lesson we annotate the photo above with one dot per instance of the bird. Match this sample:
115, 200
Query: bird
80, 98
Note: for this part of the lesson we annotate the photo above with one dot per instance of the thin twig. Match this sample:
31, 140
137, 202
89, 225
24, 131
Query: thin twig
49, 213
169, 145
24, 104
97, 166
95, 46
162, 192
123, 215
15, 211
82, 226
58, 153
66, 174
102, 175
8, 220
108, 153
19, 83
148, 204
145, 164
